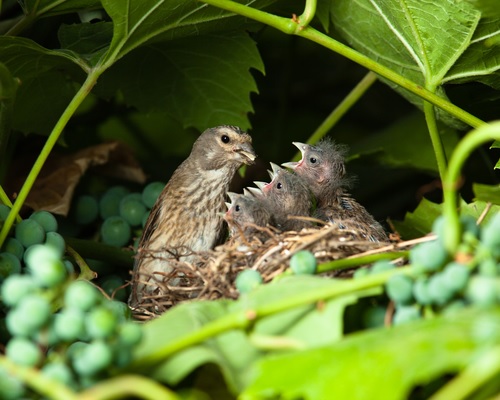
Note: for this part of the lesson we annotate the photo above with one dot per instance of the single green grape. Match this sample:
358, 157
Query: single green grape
60, 372
421, 291
56, 241
4, 213
11, 388
46, 220
115, 231
482, 291
490, 236
86, 210
400, 289
70, 268
14, 246
406, 314
381, 266
119, 309
109, 205
303, 263
438, 289
151, 193
438, 227
247, 280
456, 276
45, 265
132, 209
9, 265
33, 312
489, 267
431, 256
29, 232
469, 225
113, 286
16, 287
129, 334
93, 358
69, 324
81, 295
121, 191
23, 351
100, 323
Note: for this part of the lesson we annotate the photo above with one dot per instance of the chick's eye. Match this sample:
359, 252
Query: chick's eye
279, 185
224, 138
237, 208
312, 160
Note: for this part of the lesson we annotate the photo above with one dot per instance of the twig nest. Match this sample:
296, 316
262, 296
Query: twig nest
268, 251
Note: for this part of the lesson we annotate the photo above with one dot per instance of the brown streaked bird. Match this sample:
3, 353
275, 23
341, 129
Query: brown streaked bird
188, 215
244, 213
288, 196
323, 169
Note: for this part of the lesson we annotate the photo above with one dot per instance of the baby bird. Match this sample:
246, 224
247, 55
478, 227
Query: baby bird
322, 167
188, 215
244, 213
288, 196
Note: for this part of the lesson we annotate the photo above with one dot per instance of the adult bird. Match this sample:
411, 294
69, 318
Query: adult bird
188, 216
323, 169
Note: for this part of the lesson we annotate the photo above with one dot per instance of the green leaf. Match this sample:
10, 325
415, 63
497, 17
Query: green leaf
53, 7
8, 89
47, 82
419, 222
201, 81
139, 21
488, 8
234, 350
406, 143
419, 40
383, 364
487, 193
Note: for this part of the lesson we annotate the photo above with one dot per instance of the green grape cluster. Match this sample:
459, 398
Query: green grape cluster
64, 327
123, 214
443, 282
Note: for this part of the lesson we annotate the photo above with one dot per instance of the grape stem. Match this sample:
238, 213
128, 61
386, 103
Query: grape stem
465, 147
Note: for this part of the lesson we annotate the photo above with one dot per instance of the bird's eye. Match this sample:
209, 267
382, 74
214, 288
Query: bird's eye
237, 208
313, 160
224, 138
279, 185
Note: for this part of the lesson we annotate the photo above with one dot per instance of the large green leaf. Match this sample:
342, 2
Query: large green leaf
139, 21
487, 193
235, 350
419, 40
383, 364
45, 8
46, 82
201, 81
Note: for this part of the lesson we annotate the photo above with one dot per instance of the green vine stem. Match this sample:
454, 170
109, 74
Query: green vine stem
245, 318
437, 144
291, 27
308, 14
465, 147
47, 148
49, 388
350, 262
5, 200
352, 98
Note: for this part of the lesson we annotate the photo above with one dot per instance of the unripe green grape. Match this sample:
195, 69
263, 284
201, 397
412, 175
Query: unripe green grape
482, 291
69, 324
11, 388
469, 225
35, 309
81, 295
75, 349
454, 307
129, 334
86, 210
14, 246
29, 232
119, 190
405, 314
456, 276
46, 220
438, 227
57, 242
44, 264
23, 352
58, 371
16, 287
151, 192
431, 256
112, 285
93, 358
400, 289
439, 291
115, 231
145, 218
9, 265
4, 213
421, 292
247, 280
381, 266
70, 268
100, 323
119, 309
109, 205
489, 267
490, 236
132, 209
303, 263
361, 272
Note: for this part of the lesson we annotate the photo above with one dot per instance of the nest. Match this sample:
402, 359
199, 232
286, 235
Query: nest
267, 251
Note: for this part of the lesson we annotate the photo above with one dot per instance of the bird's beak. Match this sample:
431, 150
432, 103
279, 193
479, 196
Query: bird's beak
301, 146
255, 192
294, 164
248, 152
291, 164
228, 205
260, 184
